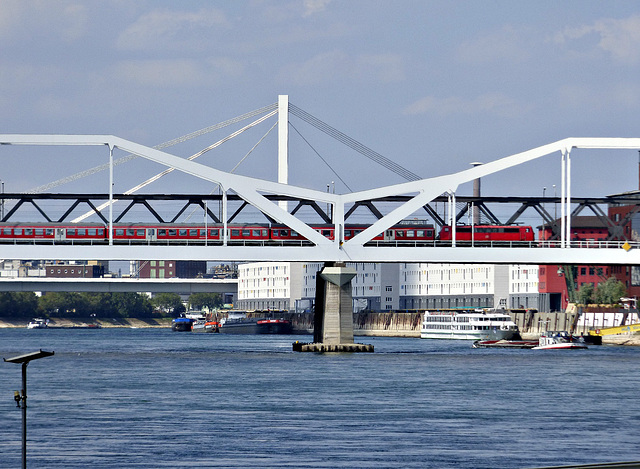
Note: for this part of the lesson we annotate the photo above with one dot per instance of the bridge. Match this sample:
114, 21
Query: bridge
272, 198
132, 285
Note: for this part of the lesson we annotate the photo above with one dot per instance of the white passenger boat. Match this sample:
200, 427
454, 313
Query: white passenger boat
474, 324
559, 341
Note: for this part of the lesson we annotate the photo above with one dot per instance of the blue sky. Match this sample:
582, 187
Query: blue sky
431, 85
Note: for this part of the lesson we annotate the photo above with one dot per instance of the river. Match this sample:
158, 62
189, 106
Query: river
150, 398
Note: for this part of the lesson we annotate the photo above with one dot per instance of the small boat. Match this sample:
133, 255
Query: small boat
205, 326
559, 340
182, 324
38, 324
505, 343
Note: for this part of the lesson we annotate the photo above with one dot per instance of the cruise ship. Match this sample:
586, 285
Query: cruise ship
472, 324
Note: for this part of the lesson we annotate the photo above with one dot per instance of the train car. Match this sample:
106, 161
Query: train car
19, 232
410, 232
488, 233
248, 233
183, 233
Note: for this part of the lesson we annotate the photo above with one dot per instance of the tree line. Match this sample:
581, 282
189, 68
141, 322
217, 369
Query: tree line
21, 305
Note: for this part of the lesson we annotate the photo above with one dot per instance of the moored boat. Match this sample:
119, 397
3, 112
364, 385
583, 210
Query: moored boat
182, 324
559, 341
474, 324
237, 322
38, 324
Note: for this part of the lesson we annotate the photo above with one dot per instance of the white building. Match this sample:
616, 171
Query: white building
391, 286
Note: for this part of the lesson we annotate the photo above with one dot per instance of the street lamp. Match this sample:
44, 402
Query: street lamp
21, 397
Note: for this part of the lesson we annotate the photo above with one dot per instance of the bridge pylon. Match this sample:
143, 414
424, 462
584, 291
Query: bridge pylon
333, 317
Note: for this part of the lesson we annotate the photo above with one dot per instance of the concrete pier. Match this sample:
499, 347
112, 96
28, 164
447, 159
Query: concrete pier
333, 322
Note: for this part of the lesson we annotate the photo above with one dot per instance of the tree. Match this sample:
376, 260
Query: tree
610, 291
205, 300
64, 304
168, 302
18, 304
585, 294
128, 305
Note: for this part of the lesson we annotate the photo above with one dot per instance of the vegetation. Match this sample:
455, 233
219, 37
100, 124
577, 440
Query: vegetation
169, 303
27, 305
205, 300
608, 292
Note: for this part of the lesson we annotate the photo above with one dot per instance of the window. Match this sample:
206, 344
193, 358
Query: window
182, 232
193, 233
162, 232
140, 233
388, 288
28, 231
91, 231
173, 232
119, 232
235, 233
39, 231
130, 232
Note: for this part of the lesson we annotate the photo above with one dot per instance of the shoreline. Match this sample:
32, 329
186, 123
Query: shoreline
398, 331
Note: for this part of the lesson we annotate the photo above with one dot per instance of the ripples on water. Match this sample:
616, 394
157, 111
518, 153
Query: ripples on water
150, 398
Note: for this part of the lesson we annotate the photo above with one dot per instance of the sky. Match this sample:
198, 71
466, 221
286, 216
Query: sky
431, 85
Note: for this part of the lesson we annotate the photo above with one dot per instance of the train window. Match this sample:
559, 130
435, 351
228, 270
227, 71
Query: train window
162, 232
39, 231
71, 232
264, 233
214, 233
193, 233
256, 233
235, 233
276, 233
326, 233
246, 233
130, 232
348, 233
28, 231
151, 231
411, 234
294, 234
140, 233
48, 232
429, 233
18, 231
6, 231
82, 232
172, 232
284, 232
399, 234
420, 234
119, 232
91, 231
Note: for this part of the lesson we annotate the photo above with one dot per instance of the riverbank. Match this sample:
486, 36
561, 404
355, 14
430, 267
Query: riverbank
390, 324
106, 323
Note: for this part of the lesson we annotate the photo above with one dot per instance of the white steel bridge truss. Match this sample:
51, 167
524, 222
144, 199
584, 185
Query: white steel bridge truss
253, 191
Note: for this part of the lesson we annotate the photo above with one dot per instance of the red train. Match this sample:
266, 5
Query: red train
488, 233
416, 233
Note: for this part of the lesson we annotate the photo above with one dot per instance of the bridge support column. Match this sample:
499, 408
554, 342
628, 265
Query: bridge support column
333, 321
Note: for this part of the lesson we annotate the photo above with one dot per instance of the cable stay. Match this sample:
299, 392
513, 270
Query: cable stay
354, 144
160, 146
169, 170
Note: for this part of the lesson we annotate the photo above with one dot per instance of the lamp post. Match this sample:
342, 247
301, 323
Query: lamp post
21, 396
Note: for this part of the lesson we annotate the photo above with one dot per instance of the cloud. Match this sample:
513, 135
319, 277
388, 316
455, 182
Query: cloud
619, 38
163, 28
67, 20
339, 66
177, 72
490, 103
506, 43
311, 7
